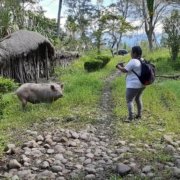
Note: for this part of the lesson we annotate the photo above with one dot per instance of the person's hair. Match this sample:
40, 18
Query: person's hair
137, 50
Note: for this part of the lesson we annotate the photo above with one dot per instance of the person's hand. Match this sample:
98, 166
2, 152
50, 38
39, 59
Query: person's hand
120, 64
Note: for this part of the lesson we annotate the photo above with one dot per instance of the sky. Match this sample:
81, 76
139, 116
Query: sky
51, 6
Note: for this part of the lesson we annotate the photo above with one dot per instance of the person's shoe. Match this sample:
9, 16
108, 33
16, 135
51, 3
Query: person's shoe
128, 120
138, 117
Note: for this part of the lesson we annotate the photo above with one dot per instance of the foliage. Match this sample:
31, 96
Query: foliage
7, 14
3, 104
171, 28
39, 23
17, 15
150, 6
113, 25
80, 14
103, 58
93, 65
151, 13
7, 85
96, 63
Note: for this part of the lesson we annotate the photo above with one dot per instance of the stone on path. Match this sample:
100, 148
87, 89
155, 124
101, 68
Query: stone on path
90, 176
146, 169
176, 172
14, 164
122, 169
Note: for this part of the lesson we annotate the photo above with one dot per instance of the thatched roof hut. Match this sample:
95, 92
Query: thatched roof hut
26, 56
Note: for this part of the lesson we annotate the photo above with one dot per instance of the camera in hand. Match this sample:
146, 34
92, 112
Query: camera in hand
121, 64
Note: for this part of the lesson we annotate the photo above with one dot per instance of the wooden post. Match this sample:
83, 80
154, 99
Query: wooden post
35, 67
47, 64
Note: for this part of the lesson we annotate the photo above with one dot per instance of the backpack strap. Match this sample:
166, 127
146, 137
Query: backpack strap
136, 72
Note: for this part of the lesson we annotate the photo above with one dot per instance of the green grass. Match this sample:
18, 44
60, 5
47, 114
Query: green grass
161, 111
164, 64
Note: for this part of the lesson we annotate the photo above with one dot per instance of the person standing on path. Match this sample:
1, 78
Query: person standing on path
134, 88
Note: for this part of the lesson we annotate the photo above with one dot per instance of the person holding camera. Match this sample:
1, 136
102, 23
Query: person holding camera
134, 88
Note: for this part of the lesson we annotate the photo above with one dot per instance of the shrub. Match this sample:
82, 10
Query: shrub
93, 65
7, 85
97, 63
104, 59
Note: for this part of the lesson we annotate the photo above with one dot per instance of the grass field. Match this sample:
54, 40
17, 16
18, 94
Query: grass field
82, 94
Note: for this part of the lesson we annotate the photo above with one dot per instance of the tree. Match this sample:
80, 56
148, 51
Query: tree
13, 13
82, 12
25, 14
115, 26
152, 13
59, 17
125, 9
171, 27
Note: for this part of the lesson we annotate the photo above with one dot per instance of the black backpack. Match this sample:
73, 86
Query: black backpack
147, 75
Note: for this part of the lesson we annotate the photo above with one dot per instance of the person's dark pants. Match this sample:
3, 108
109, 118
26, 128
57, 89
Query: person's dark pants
131, 95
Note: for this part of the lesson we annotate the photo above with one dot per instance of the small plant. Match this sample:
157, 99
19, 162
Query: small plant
7, 85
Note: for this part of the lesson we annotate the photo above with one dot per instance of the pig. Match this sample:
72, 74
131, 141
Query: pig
39, 93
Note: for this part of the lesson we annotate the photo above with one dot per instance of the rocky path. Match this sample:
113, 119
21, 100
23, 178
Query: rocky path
92, 153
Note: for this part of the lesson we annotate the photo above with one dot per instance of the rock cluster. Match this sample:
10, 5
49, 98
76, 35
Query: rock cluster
67, 154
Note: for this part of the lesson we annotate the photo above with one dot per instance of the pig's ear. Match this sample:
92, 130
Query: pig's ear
62, 86
53, 87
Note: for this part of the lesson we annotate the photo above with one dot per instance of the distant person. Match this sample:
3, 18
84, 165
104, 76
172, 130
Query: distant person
134, 88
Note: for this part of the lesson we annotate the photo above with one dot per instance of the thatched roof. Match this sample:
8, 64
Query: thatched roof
23, 42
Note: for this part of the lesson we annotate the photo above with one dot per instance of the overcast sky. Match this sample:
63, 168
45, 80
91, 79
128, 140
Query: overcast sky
51, 6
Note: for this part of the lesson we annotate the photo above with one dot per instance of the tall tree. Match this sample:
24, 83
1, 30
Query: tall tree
171, 27
59, 18
125, 9
81, 11
152, 13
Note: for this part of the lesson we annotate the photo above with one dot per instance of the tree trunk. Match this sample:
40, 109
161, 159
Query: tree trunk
59, 18
119, 42
150, 39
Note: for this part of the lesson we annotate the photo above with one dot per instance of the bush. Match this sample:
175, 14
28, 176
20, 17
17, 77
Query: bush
97, 63
104, 59
93, 65
7, 85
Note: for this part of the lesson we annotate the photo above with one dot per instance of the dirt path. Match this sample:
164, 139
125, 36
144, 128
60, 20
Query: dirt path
106, 123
